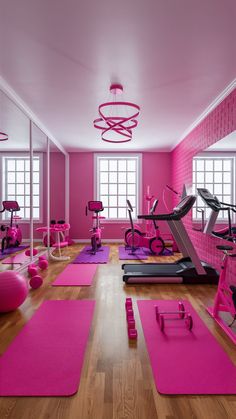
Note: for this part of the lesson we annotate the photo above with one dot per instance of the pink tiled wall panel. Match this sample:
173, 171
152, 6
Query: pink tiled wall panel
219, 123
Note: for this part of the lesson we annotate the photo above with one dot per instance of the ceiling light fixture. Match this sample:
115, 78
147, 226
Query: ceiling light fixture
117, 118
3, 136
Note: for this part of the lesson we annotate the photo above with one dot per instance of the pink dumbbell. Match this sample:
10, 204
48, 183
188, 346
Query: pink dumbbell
133, 334
131, 323
129, 313
32, 270
43, 264
128, 303
36, 282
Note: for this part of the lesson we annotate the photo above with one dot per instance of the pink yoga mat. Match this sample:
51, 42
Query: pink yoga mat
17, 259
46, 357
183, 361
76, 275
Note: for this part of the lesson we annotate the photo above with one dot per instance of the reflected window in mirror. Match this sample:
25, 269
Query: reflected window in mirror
16, 184
215, 173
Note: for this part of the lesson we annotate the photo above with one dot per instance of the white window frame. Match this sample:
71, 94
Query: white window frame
214, 156
124, 156
18, 155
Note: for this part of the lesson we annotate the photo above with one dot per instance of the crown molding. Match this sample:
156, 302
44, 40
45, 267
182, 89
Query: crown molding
16, 99
208, 110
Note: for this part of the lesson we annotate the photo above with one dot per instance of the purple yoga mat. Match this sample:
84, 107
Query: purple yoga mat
183, 361
126, 254
46, 357
139, 254
85, 256
12, 250
76, 275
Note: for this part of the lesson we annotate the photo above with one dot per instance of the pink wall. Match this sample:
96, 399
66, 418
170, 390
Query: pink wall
155, 172
219, 123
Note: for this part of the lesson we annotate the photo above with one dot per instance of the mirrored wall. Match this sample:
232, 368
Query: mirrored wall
215, 186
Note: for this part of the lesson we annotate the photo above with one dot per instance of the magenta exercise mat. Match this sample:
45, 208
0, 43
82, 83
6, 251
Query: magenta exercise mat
11, 250
46, 357
76, 275
85, 256
183, 361
126, 253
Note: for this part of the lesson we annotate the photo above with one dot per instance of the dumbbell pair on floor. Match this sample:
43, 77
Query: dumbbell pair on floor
35, 279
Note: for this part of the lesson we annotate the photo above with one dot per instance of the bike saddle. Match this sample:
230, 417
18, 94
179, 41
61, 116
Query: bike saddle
224, 247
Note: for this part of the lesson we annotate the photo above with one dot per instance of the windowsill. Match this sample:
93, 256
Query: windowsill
115, 221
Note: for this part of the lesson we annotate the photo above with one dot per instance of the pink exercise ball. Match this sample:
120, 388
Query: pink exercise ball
13, 290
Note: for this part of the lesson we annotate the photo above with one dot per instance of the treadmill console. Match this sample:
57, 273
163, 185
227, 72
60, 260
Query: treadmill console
210, 200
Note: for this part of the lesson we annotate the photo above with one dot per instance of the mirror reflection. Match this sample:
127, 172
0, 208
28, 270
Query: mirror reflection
214, 185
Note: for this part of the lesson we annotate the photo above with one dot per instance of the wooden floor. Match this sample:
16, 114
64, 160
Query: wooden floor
116, 380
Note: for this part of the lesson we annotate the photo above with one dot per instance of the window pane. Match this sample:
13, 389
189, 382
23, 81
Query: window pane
36, 189
227, 189
122, 177
218, 177
11, 165
104, 199
131, 189
27, 189
27, 201
218, 189
20, 165
112, 189
209, 177
122, 189
21, 200
20, 189
121, 165
105, 212
113, 177
131, 165
218, 166
11, 190
200, 165
227, 165
112, 212
36, 177
11, 177
36, 212
122, 201
131, 178
104, 177
27, 213
27, 177
104, 165
36, 165
200, 177
36, 201
20, 177
209, 165
227, 177
113, 165
122, 213
27, 165
104, 189
112, 201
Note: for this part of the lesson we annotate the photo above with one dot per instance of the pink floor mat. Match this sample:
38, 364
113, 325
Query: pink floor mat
76, 275
46, 357
183, 361
19, 258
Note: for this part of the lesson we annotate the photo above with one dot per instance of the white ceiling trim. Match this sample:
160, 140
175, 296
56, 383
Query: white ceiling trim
12, 95
208, 110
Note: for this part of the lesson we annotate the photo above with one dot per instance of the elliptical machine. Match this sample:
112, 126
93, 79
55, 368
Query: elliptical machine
13, 235
96, 238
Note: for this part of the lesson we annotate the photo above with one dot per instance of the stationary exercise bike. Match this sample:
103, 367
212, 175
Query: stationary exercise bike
134, 237
225, 299
13, 235
96, 238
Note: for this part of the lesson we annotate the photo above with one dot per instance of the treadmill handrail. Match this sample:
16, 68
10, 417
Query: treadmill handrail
179, 211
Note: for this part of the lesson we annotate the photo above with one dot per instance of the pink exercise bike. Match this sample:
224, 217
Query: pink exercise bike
225, 299
96, 238
13, 235
150, 239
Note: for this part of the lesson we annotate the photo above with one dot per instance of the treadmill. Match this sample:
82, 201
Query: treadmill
188, 270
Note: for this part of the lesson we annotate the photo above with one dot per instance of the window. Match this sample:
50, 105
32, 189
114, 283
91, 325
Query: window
216, 175
16, 184
118, 179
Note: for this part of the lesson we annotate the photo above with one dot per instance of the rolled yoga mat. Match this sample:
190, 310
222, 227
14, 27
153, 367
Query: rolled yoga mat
76, 275
46, 357
183, 361
85, 256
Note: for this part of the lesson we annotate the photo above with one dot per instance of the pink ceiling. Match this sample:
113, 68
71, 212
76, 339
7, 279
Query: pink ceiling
173, 58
